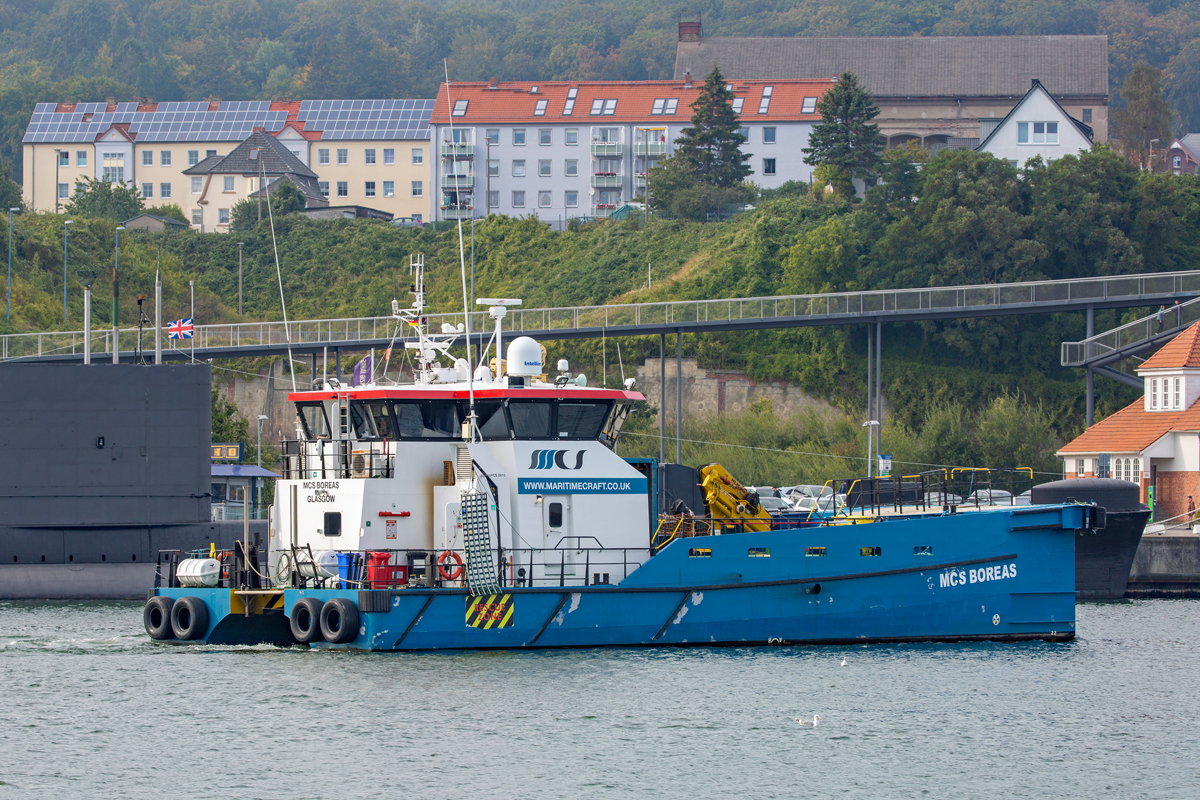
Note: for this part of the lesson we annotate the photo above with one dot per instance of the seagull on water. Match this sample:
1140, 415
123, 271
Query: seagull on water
806, 724
843, 662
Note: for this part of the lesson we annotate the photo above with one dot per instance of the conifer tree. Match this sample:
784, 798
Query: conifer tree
845, 137
711, 147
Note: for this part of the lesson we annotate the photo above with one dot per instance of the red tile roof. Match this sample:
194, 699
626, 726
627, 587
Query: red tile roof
1182, 351
1133, 429
513, 101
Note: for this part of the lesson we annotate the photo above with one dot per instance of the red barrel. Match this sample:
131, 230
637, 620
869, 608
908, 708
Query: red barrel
379, 571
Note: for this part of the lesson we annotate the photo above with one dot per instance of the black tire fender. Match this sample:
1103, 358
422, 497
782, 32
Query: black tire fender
157, 617
339, 620
189, 618
305, 620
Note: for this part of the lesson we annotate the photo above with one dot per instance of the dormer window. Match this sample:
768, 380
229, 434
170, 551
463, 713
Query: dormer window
1154, 394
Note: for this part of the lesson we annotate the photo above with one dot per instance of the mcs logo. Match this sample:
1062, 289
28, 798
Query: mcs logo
545, 459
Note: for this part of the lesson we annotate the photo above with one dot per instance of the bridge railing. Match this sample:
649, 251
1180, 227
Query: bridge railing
1078, 354
839, 305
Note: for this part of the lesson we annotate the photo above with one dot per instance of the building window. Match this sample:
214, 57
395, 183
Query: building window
164, 158
1137, 471
539, 109
1179, 392
343, 188
1087, 115
608, 135
519, 169
147, 158
544, 169
64, 158
610, 198
460, 108
343, 155
418, 188
228, 183
744, 132
493, 135
769, 135
197, 185
114, 168
81, 158
738, 102
768, 166
809, 106
1079, 468
493, 199
209, 153
1042, 133
369, 156
389, 188
418, 156
544, 136
147, 190
519, 136
197, 219
518, 199
389, 156
222, 216
369, 188
764, 105
571, 198
1177, 162
493, 168
324, 187
604, 107
569, 105
164, 190
544, 199
64, 191
323, 155
193, 157
667, 105
572, 135
571, 167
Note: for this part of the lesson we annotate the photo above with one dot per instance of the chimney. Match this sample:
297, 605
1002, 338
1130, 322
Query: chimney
687, 80
492, 83
690, 31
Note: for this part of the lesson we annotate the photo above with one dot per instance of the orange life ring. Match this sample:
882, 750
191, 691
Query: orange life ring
454, 573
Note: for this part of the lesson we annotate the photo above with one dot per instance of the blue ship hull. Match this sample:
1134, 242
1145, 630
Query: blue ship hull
997, 575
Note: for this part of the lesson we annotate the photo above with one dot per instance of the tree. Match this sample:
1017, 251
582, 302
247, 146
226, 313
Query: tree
824, 259
10, 192
105, 199
1146, 115
285, 198
711, 147
171, 211
845, 136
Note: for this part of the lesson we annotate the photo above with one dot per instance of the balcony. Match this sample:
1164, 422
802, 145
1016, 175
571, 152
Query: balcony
458, 183
458, 150
608, 148
603, 210
650, 148
639, 179
458, 211
607, 180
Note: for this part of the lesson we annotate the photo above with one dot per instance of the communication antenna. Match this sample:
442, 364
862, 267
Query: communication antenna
278, 272
462, 262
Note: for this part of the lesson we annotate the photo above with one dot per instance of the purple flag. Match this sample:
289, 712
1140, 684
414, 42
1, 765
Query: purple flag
362, 371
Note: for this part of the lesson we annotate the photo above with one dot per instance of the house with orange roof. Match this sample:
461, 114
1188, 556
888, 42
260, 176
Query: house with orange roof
568, 149
1155, 441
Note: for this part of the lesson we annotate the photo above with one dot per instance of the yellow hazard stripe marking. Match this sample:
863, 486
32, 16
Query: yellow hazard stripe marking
490, 611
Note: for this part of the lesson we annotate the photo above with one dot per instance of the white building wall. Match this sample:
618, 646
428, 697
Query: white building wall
1036, 107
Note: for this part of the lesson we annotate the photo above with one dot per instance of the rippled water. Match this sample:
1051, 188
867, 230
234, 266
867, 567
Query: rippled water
91, 708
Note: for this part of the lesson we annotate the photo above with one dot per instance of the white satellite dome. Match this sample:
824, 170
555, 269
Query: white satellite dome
524, 357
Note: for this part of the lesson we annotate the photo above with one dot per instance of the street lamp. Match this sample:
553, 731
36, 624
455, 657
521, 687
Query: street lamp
57, 164
66, 233
1152, 143
8, 290
240, 277
87, 277
116, 350
261, 419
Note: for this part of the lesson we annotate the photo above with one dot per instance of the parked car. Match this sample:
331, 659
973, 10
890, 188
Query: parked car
407, 222
990, 497
937, 499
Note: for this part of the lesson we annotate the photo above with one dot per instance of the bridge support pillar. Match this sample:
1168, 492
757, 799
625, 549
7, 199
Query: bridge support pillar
679, 397
662, 398
1091, 378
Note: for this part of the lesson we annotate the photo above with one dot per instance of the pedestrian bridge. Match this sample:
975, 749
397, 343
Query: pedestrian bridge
252, 339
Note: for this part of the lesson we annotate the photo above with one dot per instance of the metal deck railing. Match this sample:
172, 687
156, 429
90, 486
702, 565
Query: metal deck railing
1131, 337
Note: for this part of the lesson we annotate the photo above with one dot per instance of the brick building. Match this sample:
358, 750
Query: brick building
1155, 441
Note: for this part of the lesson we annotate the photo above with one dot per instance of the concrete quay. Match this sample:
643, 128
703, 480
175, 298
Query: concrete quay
1167, 564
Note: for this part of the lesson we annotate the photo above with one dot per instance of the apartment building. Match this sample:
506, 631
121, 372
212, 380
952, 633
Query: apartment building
577, 149
372, 153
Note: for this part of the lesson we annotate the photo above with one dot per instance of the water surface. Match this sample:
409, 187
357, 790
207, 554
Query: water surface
92, 708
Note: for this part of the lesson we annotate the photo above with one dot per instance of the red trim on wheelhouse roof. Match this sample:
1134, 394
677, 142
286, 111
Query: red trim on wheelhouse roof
414, 393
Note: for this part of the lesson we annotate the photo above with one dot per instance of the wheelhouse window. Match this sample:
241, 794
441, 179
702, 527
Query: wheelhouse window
312, 418
581, 420
530, 419
372, 420
428, 419
489, 417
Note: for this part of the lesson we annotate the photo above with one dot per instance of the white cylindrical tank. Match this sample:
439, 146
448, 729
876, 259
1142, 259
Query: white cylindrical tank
524, 357
194, 573
323, 565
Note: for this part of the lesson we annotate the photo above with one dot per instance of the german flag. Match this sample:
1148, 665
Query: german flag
490, 611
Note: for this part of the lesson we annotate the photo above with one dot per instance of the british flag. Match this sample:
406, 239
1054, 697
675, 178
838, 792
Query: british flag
180, 329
